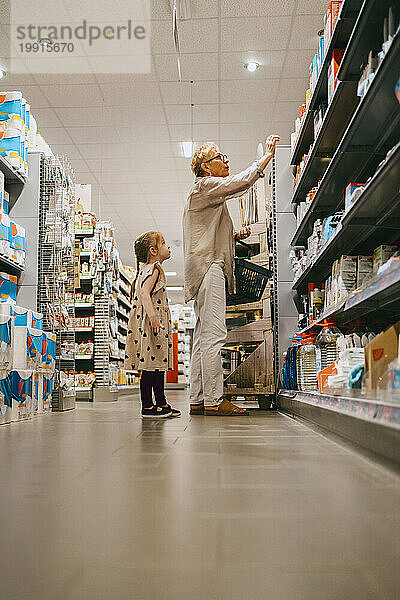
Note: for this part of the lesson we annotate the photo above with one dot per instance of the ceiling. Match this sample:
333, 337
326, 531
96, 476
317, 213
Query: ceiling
122, 131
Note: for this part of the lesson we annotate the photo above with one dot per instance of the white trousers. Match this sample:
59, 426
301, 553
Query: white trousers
206, 376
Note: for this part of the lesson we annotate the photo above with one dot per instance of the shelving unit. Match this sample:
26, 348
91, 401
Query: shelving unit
364, 135
340, 37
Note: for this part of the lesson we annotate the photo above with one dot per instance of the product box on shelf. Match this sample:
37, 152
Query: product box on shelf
34, 348
8, 287
21, 386
379, 353
35, 319
5, 246
2, 190
353, 191
381, 255
11, 109
17, 243
37, 390
49, 351
5, 336
11, 147
346, 276
331, 17
6, 405
364, 269
337, 56
48, 383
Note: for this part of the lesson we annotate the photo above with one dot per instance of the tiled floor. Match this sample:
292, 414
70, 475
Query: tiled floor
97, 504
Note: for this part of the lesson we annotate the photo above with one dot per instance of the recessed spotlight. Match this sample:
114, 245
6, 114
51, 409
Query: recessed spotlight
187, 149
174, 288
2, 73
251, 66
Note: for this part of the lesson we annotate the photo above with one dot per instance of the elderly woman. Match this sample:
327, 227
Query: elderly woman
209, 250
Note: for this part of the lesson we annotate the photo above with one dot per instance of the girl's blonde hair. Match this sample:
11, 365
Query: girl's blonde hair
151, 239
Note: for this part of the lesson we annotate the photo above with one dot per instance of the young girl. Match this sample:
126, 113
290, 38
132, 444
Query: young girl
149, 340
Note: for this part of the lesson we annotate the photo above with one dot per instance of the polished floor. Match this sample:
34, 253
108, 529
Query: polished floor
97, 504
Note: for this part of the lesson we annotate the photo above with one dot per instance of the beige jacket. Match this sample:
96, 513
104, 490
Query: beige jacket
208, 228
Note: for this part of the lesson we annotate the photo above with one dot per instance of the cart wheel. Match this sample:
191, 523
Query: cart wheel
265, 402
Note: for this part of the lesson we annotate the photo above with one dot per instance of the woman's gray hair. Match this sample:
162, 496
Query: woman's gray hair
202, 154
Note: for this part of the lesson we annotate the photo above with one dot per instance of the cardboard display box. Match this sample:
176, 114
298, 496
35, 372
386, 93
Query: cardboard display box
379, 353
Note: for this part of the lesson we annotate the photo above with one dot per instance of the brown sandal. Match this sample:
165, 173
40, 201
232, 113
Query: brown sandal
196, 409
226, 409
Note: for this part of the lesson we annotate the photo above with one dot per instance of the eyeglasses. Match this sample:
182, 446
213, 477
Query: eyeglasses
222, 157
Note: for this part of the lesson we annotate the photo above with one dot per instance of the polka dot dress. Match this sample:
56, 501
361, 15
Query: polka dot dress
145, 350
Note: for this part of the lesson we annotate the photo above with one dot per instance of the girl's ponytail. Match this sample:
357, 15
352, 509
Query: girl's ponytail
133, 286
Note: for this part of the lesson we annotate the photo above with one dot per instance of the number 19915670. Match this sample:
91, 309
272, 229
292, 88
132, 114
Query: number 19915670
38, 47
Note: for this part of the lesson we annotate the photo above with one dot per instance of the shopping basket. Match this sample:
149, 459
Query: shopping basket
251, 280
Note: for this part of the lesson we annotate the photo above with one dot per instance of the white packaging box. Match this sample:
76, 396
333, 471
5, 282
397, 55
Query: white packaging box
381, 255
364, 269
6, 411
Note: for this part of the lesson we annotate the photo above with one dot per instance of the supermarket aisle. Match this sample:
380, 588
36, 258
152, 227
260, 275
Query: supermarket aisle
100, 505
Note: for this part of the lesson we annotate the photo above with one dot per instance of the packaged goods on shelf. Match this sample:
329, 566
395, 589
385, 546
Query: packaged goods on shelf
17, 243
330, 19
8, 287
379, 353
353, 191
5, 246
48, 385
346, 276
337, 56
85, 379
6, 402
5, 336
381, 255
364, 269
22, 396
49, 351
393, 386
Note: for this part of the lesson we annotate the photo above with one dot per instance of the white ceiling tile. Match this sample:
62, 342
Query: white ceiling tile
175, 92
205, 9
151, 114
239, 90
253, 33
34, 96
305, 32
238, 131
206, 113
92, 135
198, 36
297, 63
47, 117
113, 188
177, 113
64, 78
286, 111
205, 131
166, 66
180, 132
143, 133
55, 135
292, 89
63, 95
283, 129
84, 116
141, 93
205, 92
201, 66
232, 64
69, 150
256, 8
312, 7
160, 9
161, 37
245, 113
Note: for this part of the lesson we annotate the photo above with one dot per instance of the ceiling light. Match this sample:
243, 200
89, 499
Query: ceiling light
175, 288
2, 73
170, 273
187, 149
251, 66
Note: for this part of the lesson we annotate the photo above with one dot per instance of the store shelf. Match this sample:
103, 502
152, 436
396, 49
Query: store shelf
83, 305
380, 301
84, 232
14, 181
83, 388
340, 36
83, 329
366, 35
129, 387
10, 266
85, 253
342, 103
122, 327
83, 357
369, 222
123, 315
125, 277
125, 302
374, 128
86, 277
115, 357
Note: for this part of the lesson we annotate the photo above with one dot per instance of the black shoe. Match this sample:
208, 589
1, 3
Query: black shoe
174, 411
156, 413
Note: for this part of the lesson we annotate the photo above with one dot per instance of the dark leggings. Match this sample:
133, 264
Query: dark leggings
149, 381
